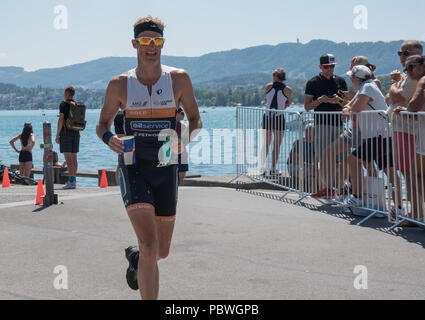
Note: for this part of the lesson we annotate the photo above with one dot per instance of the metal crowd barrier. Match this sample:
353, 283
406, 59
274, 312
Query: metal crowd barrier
261, 144
408, 133
333, 157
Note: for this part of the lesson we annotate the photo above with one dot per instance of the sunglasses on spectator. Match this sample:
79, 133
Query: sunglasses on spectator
146, 41
404, 53
332, 66
411, 66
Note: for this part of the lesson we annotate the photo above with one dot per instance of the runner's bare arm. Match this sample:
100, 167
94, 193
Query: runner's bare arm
186, 97
418, 99
114, 100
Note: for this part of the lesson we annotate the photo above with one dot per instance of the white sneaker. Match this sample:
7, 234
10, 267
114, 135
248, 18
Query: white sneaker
352, 202
70, 185
398, 211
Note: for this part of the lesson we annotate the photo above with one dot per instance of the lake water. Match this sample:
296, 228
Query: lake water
94, 154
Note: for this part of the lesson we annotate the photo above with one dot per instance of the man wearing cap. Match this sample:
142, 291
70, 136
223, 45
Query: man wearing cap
149, 95
321, 96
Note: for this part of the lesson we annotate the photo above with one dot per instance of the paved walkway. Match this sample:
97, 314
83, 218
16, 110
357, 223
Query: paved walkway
227, 245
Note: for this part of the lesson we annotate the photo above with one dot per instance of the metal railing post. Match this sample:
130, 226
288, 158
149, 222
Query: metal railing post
50, 198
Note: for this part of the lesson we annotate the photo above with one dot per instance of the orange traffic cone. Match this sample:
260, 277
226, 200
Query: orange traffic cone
103, 180
40, 193
6, 181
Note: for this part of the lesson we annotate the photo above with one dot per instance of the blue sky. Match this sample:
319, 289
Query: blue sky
99, 29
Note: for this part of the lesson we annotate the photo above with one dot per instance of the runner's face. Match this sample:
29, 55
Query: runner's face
150, 52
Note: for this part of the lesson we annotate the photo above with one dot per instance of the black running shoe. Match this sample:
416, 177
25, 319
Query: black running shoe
132, 255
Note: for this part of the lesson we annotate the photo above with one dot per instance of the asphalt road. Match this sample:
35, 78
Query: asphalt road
226, 245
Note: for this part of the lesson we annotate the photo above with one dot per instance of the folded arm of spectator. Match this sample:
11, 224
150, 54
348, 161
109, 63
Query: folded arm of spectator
418, 100
394, 96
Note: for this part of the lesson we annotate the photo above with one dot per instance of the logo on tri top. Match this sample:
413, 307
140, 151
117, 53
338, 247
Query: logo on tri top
158, 92
139, 104
150, 126
162, 103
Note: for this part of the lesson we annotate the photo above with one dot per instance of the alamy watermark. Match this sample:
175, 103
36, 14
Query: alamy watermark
361, 18
361, 280
60, 282
222, 146
60, 22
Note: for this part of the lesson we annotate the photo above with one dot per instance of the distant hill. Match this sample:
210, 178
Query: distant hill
246, 81
210, 70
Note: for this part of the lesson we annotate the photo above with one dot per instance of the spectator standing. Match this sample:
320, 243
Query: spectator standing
398, 97
68, 140
278, 97
27, 140
415, 67
321, 95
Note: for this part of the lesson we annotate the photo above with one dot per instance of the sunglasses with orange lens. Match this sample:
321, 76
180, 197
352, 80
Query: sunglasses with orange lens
146, 41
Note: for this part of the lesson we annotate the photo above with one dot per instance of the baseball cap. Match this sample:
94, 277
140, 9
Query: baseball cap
327, 59
362, 61
361, 72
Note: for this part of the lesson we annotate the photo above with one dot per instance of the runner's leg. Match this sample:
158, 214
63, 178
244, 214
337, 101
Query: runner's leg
144, 224
165, 233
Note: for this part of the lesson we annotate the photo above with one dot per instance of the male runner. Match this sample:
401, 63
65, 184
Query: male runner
149, 96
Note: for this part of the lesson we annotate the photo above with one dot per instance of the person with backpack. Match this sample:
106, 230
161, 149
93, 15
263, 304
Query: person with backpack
71, 122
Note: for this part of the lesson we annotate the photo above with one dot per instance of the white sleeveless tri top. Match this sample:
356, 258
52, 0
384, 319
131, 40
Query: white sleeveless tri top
275, 99
145, 115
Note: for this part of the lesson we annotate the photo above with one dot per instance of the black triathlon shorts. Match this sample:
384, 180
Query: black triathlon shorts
274, 122
25, 156
144, 185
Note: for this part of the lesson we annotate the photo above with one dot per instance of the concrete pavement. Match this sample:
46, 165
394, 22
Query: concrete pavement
227, 244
